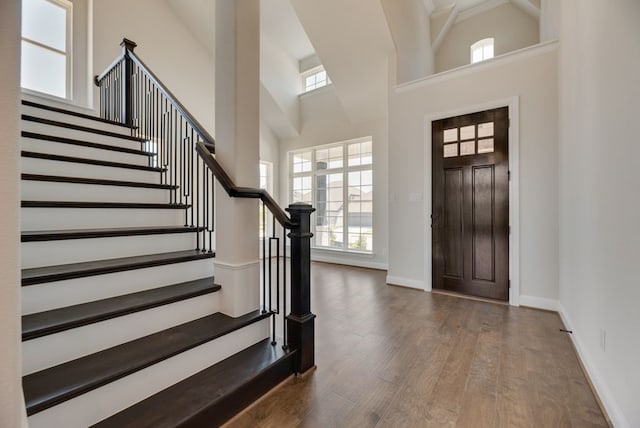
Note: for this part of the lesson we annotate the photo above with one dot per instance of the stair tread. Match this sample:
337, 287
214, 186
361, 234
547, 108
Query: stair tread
62, 158
57, 320
71, 113
179, 403
89, 144
45, 121
57, 384
83, 204
79, 270
57, 235
96, 181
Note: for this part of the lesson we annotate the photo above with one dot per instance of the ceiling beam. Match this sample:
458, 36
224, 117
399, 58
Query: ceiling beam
429, 6
528, 8
453, 15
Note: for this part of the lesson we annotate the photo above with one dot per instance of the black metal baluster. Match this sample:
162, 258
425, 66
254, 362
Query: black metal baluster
264, 258
285, 343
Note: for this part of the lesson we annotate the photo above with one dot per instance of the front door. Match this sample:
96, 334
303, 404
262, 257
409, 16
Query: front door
470, 220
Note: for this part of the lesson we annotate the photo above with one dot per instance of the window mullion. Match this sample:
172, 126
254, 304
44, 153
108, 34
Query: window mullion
345, 195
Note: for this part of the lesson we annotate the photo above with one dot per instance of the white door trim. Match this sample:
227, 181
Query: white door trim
513, 104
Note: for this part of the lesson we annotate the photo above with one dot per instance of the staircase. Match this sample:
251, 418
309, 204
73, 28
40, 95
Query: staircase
122, 317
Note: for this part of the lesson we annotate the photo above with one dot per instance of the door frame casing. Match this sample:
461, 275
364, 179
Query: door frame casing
514, 188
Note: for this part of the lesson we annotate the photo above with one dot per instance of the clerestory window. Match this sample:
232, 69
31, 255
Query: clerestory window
482, 50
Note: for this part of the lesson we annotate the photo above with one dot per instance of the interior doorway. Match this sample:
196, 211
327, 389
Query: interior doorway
470, 204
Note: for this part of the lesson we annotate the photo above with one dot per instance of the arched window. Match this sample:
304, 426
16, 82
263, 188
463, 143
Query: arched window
482, 50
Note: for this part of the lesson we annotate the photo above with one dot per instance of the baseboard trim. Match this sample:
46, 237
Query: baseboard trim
539, 303
348, 261
406, 282
611, 410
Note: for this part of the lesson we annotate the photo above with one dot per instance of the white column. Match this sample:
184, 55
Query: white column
237, 132
12, 413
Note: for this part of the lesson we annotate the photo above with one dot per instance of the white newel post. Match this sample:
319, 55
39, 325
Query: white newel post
237, 129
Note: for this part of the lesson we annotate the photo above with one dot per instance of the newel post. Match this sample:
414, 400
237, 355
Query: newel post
300, 322
127, 82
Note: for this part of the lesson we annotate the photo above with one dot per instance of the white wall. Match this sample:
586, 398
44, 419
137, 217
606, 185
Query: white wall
509, 25
325, 122
599, 204
531, 76
549, 20
410, 29
11, 403
165, 44
270, 152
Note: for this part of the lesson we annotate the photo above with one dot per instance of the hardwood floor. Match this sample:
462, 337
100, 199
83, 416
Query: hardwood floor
394, 357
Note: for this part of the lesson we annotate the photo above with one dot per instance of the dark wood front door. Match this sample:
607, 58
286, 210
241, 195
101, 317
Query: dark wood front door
470, 220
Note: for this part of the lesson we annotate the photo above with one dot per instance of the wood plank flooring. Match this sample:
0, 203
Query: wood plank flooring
394, 357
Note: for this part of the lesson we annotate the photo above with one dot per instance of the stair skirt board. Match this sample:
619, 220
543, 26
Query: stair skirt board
73, 169
117, 139
40, 110
63, 149
58, 348
107, 400
79, 218
48, 190
50, 253
59, 294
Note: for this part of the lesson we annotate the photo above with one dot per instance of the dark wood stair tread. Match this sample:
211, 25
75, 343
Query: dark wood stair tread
95, 181
82, 204
213, 395
72, 159
57, 320
45, 121
57, 384
59, 235
71, 141
42, 275
71, 113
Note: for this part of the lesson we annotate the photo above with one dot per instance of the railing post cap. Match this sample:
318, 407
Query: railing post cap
129, 45
300, 207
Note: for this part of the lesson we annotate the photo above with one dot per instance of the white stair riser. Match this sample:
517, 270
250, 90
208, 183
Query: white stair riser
50, 253
59, 131
32, 190
62, 149
72, 169
61, 117
100, 403
80, 218
58, 348
59, 294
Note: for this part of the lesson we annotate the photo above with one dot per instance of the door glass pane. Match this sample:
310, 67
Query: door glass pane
45, 22
485, 130
467, 148
450, 135
450, 150
485, 146
467, 132
43, 70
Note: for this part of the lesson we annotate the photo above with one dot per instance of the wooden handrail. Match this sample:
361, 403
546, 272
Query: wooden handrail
243, 192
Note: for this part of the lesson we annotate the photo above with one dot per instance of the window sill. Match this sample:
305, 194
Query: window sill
316, 90
342, 251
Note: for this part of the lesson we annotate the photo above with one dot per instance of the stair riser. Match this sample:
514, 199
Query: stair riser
32, 190
100, 403
63, 149
58, 348
53, 295
50, 253
79, 218
61, 117
72, 169
59, 131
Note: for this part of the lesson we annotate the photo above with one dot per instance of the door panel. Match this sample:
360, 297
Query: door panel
471, 204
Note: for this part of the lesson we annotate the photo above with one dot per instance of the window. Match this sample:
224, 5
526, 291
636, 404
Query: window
314, 79
468, 138
482, 50
46, 42
338, 181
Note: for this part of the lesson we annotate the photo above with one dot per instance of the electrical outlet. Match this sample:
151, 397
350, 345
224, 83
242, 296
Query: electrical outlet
603, 340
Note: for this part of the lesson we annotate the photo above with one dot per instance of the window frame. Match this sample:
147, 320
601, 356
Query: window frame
311, 72
68, 53
482, 44
345, 169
